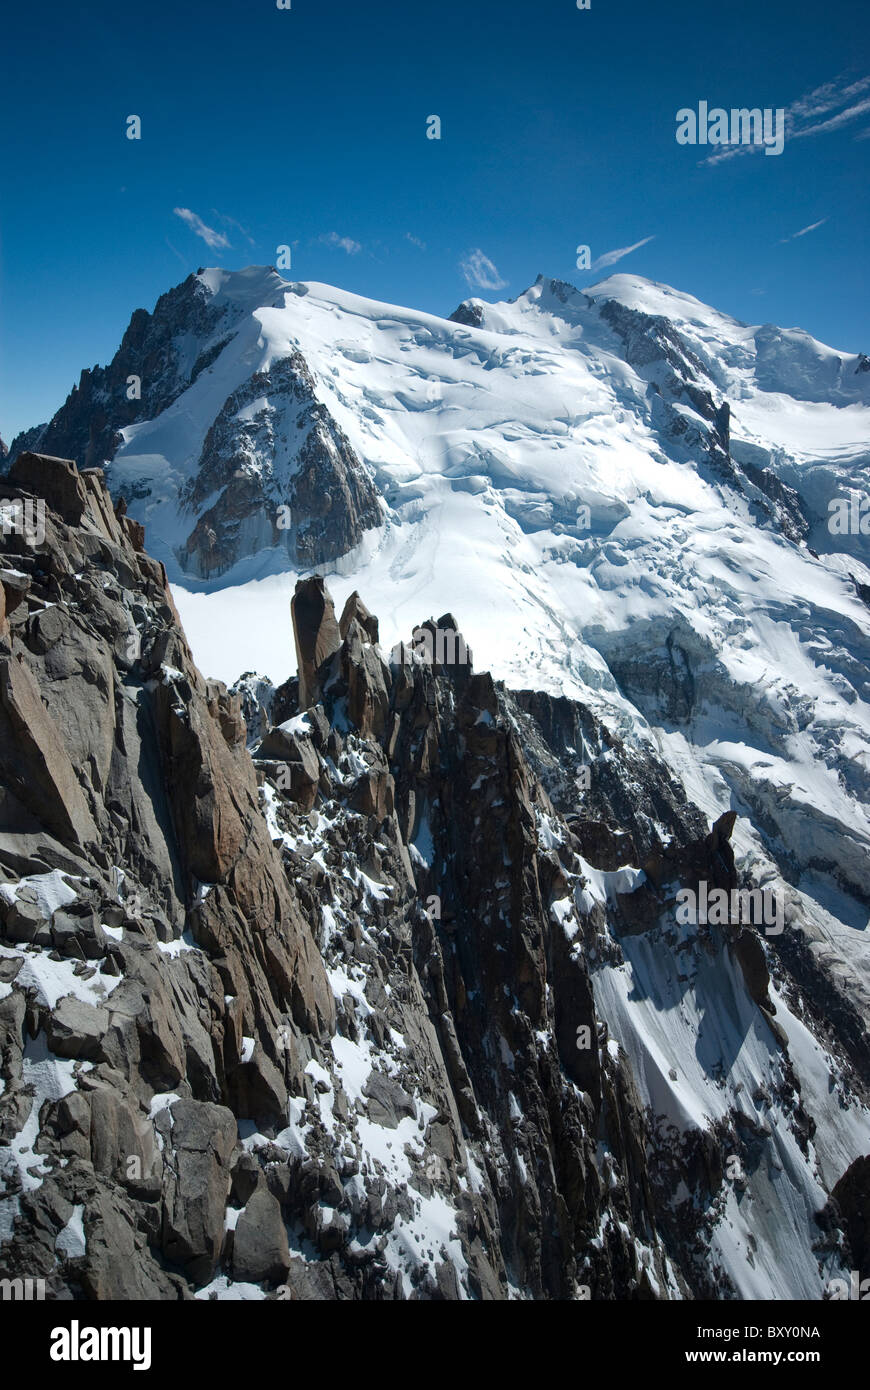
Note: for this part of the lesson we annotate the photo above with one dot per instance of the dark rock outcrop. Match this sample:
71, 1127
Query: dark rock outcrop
87, 426
129, 800
316, 633
852, 1196
284, 475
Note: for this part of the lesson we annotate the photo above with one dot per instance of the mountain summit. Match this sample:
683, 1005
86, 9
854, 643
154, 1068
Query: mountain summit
243, 394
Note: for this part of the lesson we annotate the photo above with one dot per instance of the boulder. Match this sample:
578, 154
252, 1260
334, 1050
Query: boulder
78, 932
246, 1178
119, 1133
260, 1250
57, 480
14, 587
75, 1029
24, 919
34, 760
117, 1262
388, 1102
299, 766
200, 1138
256, 1089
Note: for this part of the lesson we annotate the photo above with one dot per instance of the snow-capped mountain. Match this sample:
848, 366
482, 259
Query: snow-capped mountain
622, 493
633, 503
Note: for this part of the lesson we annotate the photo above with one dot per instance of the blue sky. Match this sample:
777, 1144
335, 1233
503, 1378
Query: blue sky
308, 127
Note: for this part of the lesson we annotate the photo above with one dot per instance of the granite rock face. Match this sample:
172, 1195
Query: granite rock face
283, 474
138, 867
152, 351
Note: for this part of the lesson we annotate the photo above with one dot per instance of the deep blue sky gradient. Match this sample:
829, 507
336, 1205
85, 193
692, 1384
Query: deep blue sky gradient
558, 129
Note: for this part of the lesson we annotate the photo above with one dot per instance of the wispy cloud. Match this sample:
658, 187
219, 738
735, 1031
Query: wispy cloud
231, 222
175, 251
216, 240
828, 97
415, 241
611, 257
838, 102
480, 272
803, 231
851, 113
346, 243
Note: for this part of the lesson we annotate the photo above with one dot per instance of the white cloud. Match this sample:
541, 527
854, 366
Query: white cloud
801, 115
345, 242
216, 240
611, 257
803, 231
834, 122
480, 272
827, 97
415, 241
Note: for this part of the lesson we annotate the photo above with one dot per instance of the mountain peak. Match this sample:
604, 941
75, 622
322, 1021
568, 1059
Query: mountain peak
252, 287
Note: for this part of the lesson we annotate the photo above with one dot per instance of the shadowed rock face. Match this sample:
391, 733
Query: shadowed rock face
316, 634
284, 473
87, 426
299, 1005
649, 340
852, 1196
